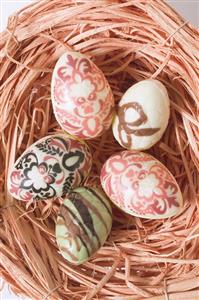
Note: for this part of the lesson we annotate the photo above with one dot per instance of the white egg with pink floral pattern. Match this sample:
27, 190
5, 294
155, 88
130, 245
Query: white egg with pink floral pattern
81, 96
141, 185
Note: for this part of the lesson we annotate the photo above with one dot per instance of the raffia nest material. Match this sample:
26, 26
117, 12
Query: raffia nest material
129, 41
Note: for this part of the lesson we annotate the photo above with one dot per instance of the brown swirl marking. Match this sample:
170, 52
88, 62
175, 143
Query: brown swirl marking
127, 126
136, 106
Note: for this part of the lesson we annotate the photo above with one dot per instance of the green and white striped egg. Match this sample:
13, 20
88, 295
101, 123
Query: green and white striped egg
83, 224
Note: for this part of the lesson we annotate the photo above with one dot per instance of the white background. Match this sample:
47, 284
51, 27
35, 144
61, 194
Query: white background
187, 8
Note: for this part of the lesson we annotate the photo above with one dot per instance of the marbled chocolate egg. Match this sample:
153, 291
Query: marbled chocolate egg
49, 168
81, 96
141, 185
143, 114
83, 224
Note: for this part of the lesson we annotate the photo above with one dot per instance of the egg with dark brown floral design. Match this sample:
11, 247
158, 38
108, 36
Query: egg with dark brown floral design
81, 96
49, 168
142, 115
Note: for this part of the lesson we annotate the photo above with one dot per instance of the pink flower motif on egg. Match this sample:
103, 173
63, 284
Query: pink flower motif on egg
137, 184
146, 178
116, 165
92, 126
82, 99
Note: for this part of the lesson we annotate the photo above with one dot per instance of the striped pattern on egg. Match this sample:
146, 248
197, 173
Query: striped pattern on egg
83, 224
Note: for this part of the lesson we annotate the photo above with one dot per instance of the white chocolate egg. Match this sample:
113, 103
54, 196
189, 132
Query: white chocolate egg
49, 168
142, 116
141, 185
81, 96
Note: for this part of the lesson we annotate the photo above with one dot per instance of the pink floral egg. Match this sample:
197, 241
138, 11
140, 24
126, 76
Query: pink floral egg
49, 168
81, 96
141, 185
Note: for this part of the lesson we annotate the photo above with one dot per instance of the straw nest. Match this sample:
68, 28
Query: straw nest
129, 41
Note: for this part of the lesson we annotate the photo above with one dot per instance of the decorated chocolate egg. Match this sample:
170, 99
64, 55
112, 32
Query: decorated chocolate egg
49, 168
142, 116
141, 185
81, 96
83, 224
